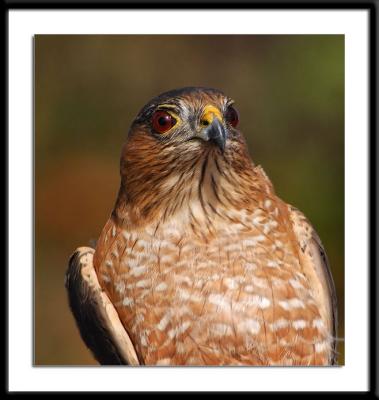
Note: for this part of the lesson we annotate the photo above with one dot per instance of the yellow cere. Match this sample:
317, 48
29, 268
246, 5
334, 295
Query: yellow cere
210, 112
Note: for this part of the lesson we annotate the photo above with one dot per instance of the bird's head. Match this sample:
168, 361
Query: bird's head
181, 143
189, 119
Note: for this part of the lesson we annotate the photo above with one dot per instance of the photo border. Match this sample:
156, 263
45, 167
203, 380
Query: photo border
155, 5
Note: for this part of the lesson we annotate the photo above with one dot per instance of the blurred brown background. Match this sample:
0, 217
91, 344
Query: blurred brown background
290, 94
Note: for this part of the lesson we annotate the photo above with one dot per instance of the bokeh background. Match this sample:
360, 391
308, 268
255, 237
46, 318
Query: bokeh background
290, 94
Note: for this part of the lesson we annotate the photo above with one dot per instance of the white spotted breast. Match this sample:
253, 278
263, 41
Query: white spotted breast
240, 298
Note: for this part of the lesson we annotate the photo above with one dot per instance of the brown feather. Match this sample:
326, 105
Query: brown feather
201, 258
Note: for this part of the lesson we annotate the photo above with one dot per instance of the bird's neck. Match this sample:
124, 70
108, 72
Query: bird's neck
194, 191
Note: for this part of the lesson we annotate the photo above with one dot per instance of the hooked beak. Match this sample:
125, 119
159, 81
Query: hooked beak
215, 132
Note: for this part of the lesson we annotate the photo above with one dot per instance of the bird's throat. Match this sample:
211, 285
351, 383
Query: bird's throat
197, 192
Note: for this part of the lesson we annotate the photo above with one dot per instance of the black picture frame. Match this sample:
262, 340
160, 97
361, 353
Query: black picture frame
370, 6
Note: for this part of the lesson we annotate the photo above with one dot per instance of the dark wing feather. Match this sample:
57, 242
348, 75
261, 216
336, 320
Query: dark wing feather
316, 266
318, 250
96, 317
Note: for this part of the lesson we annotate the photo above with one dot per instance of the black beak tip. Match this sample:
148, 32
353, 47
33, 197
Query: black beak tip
220, 143
216, 133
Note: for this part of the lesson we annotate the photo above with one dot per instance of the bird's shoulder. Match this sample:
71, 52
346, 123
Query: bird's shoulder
316, 267
96, 317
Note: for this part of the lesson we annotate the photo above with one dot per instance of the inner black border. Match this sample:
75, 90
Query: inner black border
370, 6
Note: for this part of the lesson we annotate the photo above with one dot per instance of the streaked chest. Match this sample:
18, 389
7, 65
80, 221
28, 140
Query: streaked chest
179, 295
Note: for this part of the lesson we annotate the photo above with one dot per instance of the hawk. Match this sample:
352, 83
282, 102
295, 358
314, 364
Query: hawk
200, 262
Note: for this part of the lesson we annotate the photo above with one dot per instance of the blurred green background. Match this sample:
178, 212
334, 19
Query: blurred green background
289, 90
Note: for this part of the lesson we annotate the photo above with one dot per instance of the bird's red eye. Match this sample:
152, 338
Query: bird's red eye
162, 121
232, 116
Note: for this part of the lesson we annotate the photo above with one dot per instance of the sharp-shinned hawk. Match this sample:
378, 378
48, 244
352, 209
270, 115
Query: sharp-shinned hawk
200, 263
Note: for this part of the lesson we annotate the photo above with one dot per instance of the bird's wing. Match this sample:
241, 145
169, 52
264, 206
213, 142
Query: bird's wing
317, 270
96, 317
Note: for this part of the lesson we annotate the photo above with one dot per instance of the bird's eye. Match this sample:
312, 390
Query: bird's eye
162, 121
232, 116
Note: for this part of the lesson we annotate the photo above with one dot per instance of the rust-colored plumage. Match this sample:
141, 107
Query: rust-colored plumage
204, 264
